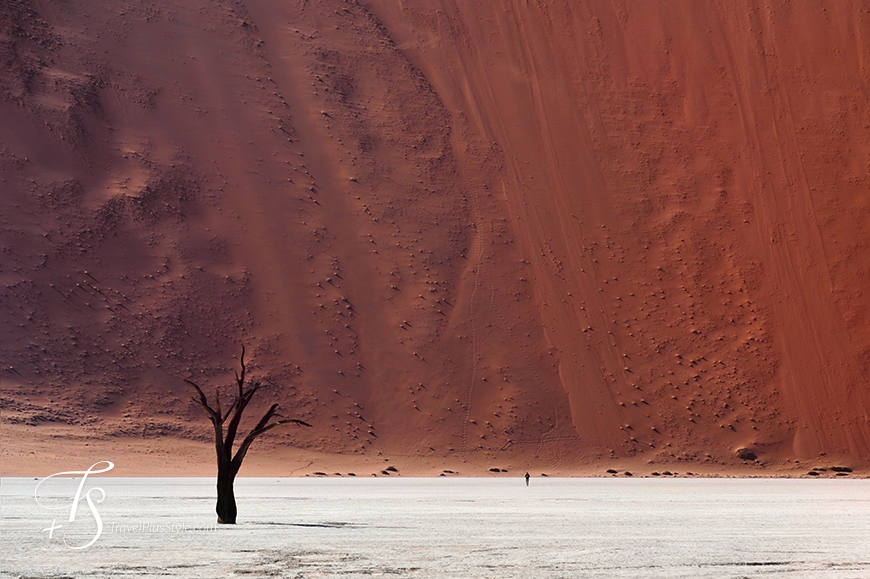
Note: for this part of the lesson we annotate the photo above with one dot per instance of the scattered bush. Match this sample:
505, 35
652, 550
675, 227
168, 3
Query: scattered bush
745, 454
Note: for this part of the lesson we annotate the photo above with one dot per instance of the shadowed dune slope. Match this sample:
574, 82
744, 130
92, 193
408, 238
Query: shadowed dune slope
542, 232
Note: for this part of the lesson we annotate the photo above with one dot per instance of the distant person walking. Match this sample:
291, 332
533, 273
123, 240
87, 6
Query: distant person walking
527, 479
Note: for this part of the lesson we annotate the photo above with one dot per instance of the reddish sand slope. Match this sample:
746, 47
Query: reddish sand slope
531, 233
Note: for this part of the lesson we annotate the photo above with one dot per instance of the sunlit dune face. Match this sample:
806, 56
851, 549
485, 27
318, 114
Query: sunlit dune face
494, 234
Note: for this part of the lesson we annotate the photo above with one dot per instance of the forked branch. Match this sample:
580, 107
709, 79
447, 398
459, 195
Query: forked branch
234, 414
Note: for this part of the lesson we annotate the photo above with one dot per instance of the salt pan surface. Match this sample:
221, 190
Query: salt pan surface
590, 528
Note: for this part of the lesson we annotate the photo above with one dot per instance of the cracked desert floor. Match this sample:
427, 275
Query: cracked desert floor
549, 235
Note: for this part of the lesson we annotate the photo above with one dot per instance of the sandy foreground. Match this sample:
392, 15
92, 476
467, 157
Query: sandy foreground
562, 236
447, 528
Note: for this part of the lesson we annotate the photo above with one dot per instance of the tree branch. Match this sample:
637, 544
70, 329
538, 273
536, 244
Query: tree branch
230, 409
227, 463
203, 401
240, 405
241, 378
260, 431
216, 420
261, 427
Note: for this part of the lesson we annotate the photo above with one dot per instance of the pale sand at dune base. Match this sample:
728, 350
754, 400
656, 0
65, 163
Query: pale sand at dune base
64, 449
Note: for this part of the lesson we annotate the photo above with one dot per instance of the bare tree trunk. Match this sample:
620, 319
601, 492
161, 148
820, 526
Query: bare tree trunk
226, 498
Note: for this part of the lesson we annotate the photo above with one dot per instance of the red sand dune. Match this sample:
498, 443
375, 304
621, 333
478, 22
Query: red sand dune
539, 234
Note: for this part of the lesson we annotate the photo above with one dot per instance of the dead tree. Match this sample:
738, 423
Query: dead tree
228, 463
